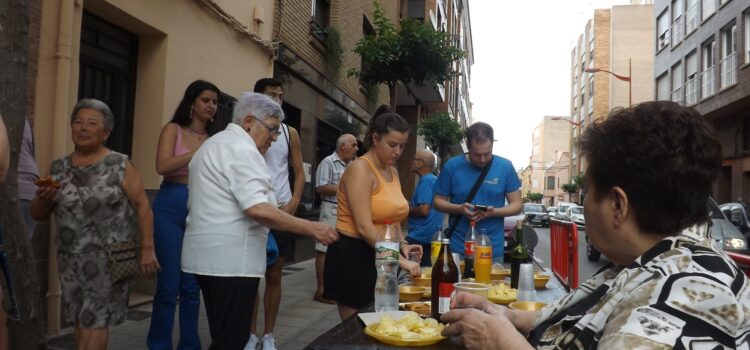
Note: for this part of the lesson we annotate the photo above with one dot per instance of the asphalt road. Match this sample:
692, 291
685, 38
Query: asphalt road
586, 268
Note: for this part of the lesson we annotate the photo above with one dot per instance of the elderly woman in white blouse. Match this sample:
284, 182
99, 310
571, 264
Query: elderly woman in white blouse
232, 207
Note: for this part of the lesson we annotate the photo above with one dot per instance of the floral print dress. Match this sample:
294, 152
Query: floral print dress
92, 210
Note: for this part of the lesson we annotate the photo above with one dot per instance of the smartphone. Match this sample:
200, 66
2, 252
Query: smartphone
480, 207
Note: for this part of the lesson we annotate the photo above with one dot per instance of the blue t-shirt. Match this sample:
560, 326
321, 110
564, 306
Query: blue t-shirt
422, 228
455, 182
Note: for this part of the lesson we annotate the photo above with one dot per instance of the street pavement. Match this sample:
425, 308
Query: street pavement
300, 319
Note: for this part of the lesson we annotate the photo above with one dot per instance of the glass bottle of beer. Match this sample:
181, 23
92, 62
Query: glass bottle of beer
444, 274
518, 255
469, 242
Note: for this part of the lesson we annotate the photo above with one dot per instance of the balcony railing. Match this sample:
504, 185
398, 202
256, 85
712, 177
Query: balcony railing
691, 91
708, 82
729, 70
692, 20
678, 30
662, 40
677, 95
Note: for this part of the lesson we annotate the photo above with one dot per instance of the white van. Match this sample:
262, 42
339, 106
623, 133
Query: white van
562, 208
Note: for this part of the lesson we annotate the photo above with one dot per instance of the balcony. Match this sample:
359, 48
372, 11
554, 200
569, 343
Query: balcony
691, 91
678, 30
677, 95
729, 70
709, 7
692, 20
662, 41
708, 82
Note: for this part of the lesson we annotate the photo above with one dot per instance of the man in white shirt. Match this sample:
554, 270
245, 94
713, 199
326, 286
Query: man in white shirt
232, 206
327, 179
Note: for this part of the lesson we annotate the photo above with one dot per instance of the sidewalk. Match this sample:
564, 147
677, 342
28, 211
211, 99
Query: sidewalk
299, 322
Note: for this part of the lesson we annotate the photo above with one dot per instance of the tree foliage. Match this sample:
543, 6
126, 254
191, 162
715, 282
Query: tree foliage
570, 188
415, 53
440, 131
534, 196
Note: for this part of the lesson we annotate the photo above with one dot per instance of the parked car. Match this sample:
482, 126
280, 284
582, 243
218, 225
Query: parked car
562, 208
722, 230
536, 214
737, 213
575, 214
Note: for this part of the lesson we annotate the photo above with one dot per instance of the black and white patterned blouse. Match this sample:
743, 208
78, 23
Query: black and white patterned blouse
684, 293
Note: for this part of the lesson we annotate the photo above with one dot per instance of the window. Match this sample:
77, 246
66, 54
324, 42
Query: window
708, 75
662, 88
677, 91
550, 183
691, 17
416, 10
367, 31
662, 31
591, 86
590, 105
729, 56
678, 22
747, 38
321, 10
709, 7
691, 83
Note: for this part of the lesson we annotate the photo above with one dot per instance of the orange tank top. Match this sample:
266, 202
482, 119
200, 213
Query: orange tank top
386, 202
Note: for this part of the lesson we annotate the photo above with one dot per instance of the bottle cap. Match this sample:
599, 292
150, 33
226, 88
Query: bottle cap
446, 241
387, 222
472, 223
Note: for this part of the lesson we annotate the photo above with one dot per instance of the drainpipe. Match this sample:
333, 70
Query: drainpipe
63, 59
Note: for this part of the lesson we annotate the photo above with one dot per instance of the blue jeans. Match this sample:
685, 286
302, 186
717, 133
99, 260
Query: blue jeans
170, 212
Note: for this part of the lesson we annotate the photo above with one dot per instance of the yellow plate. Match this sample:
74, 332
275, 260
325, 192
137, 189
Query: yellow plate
401, 341
501, 301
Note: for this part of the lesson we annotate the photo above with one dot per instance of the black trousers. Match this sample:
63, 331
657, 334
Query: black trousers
229, 307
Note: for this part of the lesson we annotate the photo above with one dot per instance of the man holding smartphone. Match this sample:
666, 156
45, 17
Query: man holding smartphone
500, 184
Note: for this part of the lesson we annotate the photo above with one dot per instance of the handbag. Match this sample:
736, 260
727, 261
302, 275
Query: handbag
122, 256
470, 197
123, 260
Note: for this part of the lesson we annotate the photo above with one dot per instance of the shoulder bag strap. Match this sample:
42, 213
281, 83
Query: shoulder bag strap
456, 219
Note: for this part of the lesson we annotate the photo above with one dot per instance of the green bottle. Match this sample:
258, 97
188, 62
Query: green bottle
518, 255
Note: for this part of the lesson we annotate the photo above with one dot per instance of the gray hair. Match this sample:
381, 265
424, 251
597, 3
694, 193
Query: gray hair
258, 105
343, 138
99, 106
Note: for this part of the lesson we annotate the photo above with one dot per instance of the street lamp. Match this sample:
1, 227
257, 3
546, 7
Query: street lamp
620, 77
567, 120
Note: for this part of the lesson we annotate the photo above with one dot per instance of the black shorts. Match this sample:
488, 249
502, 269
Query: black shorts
284, 242
349, 274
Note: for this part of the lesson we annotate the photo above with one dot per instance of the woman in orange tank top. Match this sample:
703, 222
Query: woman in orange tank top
369, 193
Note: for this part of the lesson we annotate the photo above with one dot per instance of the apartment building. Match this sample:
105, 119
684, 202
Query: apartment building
611, 66
702, 58
555, 176
549, 139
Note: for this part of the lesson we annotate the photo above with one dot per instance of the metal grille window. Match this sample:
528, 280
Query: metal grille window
662, 87
678, 22
550, 183
677, 91
662, 31
691, 84
747, 38
729, 56
708, 75
691, 17
709, 7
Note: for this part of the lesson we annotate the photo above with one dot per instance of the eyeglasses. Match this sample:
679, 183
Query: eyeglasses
273, 131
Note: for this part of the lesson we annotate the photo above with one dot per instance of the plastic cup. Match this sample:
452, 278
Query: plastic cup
526, 289
472, 287
414, 256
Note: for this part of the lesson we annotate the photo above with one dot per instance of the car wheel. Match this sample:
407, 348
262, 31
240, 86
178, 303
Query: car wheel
591, 253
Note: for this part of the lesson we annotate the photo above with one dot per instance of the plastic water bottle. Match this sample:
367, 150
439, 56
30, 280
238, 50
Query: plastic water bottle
386, 264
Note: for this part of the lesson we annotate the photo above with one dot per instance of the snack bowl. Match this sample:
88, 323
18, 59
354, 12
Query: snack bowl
496, 275
540, 280
527, 305
422, 281
410, 293
422, 308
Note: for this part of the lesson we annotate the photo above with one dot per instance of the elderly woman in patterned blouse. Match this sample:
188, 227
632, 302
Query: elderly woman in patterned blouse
100, 200
651, 170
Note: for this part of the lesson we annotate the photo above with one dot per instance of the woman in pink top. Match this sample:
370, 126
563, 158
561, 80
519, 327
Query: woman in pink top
178, 141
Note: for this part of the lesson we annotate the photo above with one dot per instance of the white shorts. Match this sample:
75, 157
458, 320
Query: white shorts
328, 212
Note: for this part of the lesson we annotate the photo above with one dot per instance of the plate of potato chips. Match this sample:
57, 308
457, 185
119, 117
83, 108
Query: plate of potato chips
410, 330
502, 293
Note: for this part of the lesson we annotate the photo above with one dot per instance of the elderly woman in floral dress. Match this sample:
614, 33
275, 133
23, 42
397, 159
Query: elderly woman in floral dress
100, 200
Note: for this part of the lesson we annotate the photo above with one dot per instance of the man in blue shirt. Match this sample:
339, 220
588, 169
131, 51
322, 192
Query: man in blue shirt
501, 183
424, 220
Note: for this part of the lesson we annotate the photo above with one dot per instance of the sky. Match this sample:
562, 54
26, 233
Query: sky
521, 68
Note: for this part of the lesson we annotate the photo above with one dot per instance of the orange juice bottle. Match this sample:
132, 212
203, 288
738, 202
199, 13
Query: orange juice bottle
483, 257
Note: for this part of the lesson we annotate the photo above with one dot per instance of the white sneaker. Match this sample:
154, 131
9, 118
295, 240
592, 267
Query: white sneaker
252, 344
269, 342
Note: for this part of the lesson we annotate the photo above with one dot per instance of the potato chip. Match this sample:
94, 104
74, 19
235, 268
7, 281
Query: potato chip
410, 327
502, 291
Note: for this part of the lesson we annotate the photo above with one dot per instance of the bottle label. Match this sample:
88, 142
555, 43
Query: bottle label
435, 249
444, 297
483, 253
483, 264
469, 247
386, 251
